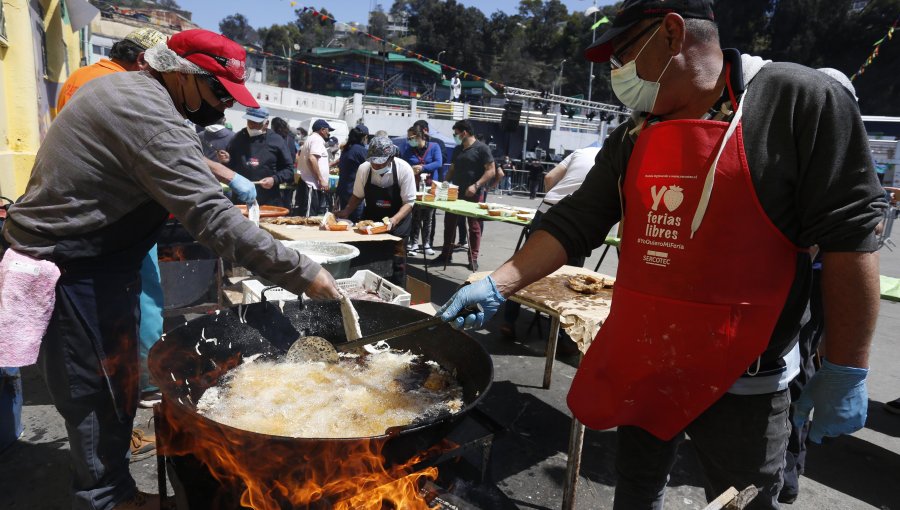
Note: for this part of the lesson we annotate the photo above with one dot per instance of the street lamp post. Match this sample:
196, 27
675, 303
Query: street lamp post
589, 11
561, 66
290, 59
438, 60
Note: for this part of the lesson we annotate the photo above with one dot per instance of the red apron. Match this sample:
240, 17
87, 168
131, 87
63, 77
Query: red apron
691, 310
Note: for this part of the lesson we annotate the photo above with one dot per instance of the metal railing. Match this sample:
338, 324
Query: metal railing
397, 106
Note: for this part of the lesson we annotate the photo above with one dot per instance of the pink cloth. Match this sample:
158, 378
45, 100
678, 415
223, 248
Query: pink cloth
27, 297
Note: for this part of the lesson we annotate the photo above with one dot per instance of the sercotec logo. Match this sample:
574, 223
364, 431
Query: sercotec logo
657, 258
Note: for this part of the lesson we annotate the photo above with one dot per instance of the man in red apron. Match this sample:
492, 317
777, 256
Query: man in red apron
729, 169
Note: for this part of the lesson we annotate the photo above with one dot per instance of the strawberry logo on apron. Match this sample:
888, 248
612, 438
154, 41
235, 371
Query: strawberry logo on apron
703, 276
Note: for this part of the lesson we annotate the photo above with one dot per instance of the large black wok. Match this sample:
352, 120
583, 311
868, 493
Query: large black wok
184, 365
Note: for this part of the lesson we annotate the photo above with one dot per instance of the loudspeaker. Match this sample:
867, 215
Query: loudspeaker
512, 113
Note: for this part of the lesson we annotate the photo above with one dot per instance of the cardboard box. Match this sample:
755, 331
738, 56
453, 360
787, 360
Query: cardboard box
419, 291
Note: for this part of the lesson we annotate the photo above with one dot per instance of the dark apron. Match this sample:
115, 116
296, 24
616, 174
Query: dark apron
91, 344
385, 202
259, 163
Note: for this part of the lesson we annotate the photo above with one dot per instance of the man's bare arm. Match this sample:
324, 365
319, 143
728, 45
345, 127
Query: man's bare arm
487, 177
554, 176
850, 295
541, 255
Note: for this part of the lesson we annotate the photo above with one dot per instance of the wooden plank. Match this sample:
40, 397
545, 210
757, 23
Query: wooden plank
306, 233
725, 498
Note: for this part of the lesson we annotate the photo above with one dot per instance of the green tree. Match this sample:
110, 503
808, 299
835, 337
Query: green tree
313, 29
378, 22
237, 28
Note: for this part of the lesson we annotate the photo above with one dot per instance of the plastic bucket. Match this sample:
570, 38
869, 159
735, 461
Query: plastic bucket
334, 257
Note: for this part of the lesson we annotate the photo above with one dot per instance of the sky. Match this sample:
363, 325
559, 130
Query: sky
263, 13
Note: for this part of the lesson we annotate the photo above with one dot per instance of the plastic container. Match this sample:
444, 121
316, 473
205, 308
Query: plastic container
253, 290
11, 427
365, 280
334, 257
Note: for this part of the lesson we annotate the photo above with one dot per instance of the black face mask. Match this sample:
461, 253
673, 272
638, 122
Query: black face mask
205, 115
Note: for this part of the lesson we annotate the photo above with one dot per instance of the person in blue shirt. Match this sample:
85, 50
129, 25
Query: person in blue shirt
426, 159
353, 154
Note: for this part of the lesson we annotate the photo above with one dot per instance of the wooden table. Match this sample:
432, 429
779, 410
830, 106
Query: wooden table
469, 210
376, 251
310, 233
532, 296
549, 295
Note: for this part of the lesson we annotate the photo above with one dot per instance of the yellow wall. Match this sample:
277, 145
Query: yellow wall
19, 123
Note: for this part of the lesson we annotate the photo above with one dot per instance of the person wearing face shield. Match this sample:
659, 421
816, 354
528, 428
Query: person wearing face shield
116, 162
388, 186
715, 273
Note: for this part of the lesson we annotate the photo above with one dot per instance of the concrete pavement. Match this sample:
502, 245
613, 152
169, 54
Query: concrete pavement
861, 471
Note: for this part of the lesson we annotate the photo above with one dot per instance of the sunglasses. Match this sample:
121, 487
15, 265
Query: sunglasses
618, 56
218, 90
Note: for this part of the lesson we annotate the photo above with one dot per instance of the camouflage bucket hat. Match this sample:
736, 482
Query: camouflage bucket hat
381, 149
146, 37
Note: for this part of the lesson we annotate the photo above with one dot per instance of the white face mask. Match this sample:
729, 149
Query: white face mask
254, 132
634, 92
382, 171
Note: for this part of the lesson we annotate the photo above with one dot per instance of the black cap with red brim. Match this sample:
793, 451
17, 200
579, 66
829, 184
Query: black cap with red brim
633, 11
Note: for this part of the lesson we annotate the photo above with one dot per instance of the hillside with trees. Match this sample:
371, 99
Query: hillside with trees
525, 49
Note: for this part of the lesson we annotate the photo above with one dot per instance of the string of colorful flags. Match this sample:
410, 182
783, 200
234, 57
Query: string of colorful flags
874, 54
251, 50
399, 49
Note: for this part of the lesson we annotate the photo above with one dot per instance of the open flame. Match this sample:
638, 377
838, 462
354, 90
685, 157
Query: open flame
171, 254
282, 472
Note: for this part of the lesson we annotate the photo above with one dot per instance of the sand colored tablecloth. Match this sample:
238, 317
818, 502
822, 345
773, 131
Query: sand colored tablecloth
580, 315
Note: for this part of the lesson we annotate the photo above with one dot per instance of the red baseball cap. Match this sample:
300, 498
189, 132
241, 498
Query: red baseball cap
220, 56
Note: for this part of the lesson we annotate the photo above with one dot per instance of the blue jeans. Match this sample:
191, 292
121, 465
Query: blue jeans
740, 440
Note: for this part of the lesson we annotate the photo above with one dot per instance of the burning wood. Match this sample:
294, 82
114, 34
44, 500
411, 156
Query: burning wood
340, 474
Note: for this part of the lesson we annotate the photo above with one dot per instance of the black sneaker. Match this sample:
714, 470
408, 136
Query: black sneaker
893, 406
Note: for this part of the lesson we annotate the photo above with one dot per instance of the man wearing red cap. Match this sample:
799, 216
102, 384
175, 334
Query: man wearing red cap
730, 168
115, 163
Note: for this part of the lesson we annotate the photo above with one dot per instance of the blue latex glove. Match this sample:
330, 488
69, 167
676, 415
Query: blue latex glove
838, 395
244, 190
483, 293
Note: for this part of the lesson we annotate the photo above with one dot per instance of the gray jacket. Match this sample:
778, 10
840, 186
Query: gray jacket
119, 145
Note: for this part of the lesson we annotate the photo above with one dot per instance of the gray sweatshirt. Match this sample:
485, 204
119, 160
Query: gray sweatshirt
120, 143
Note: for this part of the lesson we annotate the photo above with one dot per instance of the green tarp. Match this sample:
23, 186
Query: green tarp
890, 288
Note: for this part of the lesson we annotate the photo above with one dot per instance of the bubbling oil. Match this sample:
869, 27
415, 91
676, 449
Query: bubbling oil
356, 397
